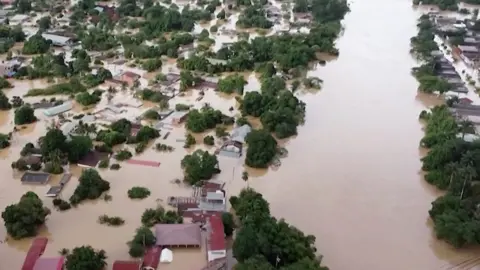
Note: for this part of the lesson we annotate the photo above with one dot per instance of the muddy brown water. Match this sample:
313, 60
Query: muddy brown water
352, 177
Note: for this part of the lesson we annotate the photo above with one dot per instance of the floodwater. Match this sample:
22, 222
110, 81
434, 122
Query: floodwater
352, 177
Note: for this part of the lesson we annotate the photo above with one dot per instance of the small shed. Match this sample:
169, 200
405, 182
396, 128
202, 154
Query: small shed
35, 178
67, 106
91, 159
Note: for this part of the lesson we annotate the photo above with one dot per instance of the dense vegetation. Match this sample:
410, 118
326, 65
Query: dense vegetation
24, 115
263, 242
262, 148
85, 257
232, 83
443, 4
206, 118
198, 166
452, 164
152, 216
421, 47
25, 217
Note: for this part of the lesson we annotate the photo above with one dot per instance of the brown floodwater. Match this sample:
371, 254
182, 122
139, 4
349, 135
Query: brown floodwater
352, 176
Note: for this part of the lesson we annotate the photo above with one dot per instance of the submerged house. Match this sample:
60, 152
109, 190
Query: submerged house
469, 54
58, 40
216, 245
65, 107
234, 146
178, 235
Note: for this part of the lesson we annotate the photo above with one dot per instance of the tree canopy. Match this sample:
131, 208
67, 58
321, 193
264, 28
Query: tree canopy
262, 241
452, 164
85, 257
90, 186
200, 165
206, 118
24, 218
24, 115
262, 148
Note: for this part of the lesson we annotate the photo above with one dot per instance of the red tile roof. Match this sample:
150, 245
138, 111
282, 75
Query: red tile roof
36, 250
152, 257
126, 265
216, 239
53, 263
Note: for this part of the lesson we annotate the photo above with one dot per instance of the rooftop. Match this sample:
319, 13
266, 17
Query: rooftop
35, 178
126, 265
58, 109
466, 48
56, 39
52, 263
240, 133
178, 235
216, 238
152, 257
36, 250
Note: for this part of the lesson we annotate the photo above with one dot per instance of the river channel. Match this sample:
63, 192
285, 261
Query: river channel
353, 175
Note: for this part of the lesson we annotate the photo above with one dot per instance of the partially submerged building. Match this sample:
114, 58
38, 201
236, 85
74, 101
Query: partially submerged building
65, 107
35, 178
49, 263
234, 146
178, 235
36, 250
216, 245
57, 40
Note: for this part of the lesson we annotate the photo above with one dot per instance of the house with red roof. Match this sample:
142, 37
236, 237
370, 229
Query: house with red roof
126, 265
151, 259
36, 250
216, 245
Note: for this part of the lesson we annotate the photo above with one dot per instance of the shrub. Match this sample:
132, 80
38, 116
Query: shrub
104, 163
182, 107
189, 141
111, 221
151, 114
138, 193
152, 216
209, 140
163, 147
115, 167
123, 155
140, 147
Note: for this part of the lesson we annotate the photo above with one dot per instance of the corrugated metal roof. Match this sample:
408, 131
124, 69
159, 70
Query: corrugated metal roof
216, 238
56, 38
178, 235
58, 109
239, 134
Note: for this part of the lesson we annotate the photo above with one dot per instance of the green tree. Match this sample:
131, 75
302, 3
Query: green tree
44, 23
209, 140
232, 83
35, 45
54, 139
24, 115
228, 223
4, 103
78, 147
91, 186
24, 218
85, 257
262, 148
142, 239
200, 165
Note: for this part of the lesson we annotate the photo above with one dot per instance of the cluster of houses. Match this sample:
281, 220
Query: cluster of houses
467, 50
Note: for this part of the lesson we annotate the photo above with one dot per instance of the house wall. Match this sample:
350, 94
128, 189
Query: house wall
216, 254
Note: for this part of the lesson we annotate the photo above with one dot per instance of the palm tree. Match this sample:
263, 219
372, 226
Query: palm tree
465, 127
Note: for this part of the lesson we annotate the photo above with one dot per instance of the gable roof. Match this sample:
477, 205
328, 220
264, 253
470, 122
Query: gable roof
178, 235
152, 257
52, 263
240, 133
216, 238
